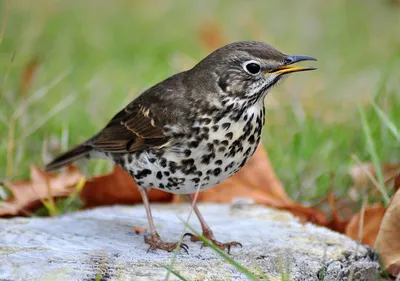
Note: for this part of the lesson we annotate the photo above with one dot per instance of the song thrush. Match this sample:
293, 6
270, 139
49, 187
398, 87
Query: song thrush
194, 129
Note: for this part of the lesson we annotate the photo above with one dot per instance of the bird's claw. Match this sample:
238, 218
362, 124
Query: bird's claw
210, 237
192, 237
184, 247
156, 243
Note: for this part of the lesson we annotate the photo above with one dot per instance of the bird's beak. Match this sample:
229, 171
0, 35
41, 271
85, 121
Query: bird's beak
287, 67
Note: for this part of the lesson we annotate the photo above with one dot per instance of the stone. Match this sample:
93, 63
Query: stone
100, 243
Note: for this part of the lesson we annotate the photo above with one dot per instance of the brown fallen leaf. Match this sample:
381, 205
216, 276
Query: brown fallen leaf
28, 76
362, 181
139, 230
117, 187
337, 223
396, 184
372, 220
28, 195
388, 239
211, 36
259, 174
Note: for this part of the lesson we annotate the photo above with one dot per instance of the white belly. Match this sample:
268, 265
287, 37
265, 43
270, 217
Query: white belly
212, 155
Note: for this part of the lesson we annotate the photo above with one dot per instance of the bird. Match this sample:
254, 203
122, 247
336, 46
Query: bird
194, 129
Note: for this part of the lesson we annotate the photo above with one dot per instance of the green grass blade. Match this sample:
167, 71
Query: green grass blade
99, 276
385, 119
386, 73
225, 256
177, 274
46, 117
374, 156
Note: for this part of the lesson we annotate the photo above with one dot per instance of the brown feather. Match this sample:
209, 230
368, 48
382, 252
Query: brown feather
132, 129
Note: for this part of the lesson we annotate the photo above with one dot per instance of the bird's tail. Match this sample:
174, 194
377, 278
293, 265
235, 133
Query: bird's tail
68, 157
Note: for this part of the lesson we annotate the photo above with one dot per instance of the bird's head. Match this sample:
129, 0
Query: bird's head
247, 70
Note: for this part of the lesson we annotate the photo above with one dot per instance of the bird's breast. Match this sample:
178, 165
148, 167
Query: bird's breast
210, 152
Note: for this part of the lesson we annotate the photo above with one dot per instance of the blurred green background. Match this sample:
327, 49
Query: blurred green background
93, 57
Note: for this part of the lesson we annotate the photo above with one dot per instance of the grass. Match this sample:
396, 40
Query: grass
94, 56
375, 158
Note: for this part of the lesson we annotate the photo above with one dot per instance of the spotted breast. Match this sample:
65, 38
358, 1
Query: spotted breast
212, 151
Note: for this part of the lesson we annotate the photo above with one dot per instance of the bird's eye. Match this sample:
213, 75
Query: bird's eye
252, 67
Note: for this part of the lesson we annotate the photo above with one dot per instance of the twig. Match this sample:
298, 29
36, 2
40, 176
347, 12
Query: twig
362, 217
50, 199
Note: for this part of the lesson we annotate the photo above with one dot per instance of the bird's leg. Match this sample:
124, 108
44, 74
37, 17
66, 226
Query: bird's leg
207, 232
153, 239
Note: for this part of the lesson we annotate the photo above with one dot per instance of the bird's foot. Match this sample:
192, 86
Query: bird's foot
210, 236
155, 242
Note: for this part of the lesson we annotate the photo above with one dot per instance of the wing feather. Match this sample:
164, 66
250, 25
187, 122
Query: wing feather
141, 124
132, 129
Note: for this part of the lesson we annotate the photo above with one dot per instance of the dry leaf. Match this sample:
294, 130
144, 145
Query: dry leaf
372, 220
211, 36
388, 240
340, 209
118, 187
337, 223
362, 181
396, 184
28, 76
27, 195
139, 230
259, 174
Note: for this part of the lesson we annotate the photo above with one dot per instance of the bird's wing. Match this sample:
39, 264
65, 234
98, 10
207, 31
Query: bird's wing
142, 123
134, 128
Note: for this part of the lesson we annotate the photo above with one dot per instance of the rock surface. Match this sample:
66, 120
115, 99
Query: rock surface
100, 243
